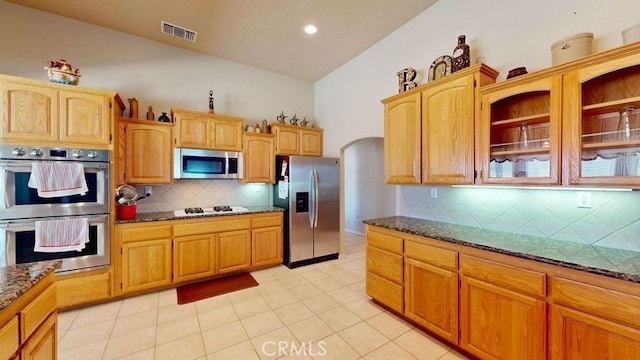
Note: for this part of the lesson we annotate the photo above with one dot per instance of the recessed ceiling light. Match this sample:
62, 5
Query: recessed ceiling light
310, 29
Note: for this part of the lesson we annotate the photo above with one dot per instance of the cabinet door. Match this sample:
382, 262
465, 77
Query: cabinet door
310, 142
520, 133
29, 113
148, 156
402, 134
146, 264
233, 249
9, 338
579, 336
497, 323
193, 257
266, 246
227, 133
287, 141
603, 148
448, 132
431, 298
259, 158
85, 118
384, 277
193, 131
43, 344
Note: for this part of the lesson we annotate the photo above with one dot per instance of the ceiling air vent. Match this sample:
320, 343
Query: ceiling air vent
178, 31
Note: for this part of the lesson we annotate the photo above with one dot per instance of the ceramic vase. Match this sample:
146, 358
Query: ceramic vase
164, 118
461, 55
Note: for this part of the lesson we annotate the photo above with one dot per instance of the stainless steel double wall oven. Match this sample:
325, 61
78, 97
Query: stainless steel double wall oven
21, 207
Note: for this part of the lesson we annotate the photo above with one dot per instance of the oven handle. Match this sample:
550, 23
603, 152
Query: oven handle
26, 164
27, 224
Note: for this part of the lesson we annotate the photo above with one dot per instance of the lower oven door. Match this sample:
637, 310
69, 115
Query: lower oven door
17, 241
19, 201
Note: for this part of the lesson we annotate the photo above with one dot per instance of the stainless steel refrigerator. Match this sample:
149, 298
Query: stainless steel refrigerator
308, 188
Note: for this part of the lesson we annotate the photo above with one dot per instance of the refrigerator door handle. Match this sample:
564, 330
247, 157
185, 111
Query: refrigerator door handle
312, 200
315, 199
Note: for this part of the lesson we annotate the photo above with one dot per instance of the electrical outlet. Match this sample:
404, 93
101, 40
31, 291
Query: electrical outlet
583, 199
434, 193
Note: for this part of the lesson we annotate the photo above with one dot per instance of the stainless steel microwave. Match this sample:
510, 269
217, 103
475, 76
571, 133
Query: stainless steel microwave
206, 164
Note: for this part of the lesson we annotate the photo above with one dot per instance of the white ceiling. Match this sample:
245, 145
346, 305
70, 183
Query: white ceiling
266, 34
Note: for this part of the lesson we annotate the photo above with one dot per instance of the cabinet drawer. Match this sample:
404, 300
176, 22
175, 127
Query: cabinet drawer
527, 281
606, 303
384, 241
9, 338
211, 226
385, 292
265, 221
37, 311
139, 233
385, 264
432, 255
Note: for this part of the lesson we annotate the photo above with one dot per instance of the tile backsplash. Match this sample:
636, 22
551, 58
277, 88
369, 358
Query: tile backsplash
612, 221
203, 193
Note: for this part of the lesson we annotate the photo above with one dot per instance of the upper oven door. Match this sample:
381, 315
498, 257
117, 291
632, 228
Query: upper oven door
19, 201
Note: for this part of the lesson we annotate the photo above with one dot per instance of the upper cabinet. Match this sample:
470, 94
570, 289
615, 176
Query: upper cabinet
201, 130
430, 130
43, 113
297, 140
144, 152
259, 158
602, 121
520, 131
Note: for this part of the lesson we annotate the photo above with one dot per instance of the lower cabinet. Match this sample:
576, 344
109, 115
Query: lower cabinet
384, 269
266, 241
193, 257
234, 251
431, 289
43, 343
146, 264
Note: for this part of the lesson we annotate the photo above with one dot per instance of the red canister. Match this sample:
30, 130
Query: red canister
126, 212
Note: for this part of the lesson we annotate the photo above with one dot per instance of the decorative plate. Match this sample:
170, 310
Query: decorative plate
440, 67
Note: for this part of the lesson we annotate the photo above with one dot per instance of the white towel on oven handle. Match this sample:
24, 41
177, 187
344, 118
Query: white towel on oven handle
61, 235
57, 178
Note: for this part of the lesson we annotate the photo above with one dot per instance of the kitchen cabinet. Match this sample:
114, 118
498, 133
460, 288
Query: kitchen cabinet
600, 148
444, 112
144, 152
266, 240
194, 257
199, 130
258, 158
84, 288
146, 256
42, 113
297, 140
520, 131
590, 322
28, 325
502, 310
431, 288
385, 268
233, 251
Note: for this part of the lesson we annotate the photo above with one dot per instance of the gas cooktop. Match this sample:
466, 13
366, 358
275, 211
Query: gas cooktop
194, 211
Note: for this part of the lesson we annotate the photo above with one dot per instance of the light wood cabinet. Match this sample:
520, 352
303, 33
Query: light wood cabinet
402, 139
144, 152
42, 113
194, 257
431, 288
445, 112
146, 261
84, 288
259, 158
28, 324
520, 131
266, 240
297, 140
385, 268
199, 130
233, 251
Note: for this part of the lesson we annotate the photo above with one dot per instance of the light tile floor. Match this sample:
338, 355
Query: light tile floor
318, 311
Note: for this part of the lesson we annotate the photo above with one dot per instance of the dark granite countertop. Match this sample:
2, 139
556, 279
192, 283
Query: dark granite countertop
620, 264
168, 215
16, 280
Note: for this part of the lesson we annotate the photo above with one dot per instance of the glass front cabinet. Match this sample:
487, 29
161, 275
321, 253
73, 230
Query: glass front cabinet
520, 131
602, 121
